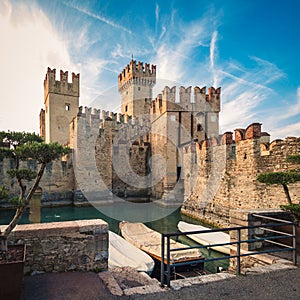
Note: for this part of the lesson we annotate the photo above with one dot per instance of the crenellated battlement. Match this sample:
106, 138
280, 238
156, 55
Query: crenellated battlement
202, 100
120, 127
242, 138
139, 73
253, 131
104, 116
62, 86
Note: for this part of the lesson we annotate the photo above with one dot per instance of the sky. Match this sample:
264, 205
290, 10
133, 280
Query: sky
249, 48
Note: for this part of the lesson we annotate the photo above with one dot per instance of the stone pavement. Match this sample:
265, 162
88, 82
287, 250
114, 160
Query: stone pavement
64, 286
264, 283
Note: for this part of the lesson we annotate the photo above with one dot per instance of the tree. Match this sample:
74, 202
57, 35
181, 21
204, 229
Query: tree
284, 179
21, 146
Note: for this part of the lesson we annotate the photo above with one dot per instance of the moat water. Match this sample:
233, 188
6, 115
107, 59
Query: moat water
166, 224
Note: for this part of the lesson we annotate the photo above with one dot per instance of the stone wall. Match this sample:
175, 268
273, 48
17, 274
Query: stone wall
63, 246
57, 183
226, 174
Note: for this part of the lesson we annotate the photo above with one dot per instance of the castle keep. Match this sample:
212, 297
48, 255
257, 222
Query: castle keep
166, 149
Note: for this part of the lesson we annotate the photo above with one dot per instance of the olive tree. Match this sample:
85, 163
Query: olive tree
284, 179
21, 146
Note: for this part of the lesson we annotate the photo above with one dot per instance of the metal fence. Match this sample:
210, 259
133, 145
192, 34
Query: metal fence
273, 235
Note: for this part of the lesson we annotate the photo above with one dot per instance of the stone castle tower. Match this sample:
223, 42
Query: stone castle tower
135, 85
172, 123
61, 100
175, 123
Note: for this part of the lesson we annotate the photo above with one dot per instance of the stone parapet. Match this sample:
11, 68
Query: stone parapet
63, 246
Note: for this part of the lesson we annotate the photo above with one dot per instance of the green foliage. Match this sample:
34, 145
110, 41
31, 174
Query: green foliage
17, 202
279, 177
41, 152
3, 192
295, 159
5, 153
293, 208
285, 178
23, 146
13, 139
22, 174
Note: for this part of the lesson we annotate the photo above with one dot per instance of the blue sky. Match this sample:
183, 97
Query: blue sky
250, 48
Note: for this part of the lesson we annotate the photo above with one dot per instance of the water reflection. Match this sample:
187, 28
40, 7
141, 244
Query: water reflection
70, 213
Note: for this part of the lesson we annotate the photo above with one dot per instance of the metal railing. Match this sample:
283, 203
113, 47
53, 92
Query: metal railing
166, 239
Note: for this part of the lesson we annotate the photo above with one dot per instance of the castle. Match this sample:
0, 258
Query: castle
166, 150
145, 130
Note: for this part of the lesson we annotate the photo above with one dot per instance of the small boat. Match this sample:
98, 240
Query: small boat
122, 253
149, 241
209, 238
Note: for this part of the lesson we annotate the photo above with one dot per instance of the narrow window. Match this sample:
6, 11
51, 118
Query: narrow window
126, 108
199, 127
233, 151
67, 106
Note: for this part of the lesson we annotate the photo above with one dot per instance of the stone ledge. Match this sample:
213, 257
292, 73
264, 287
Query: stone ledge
63, 246
57, 227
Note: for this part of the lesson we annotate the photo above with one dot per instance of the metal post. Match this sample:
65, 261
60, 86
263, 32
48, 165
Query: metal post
295, 244
239, 253
168, 262
162, 270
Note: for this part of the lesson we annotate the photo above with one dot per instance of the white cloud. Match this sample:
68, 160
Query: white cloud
213, 49
29, 46
245, 92
156, 15
285, 131
293, 109
99, 17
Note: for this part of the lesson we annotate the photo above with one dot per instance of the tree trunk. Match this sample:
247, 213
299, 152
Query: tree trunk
287, 193
3, 247
20, 210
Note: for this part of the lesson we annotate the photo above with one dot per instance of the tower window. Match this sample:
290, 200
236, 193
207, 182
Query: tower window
126, 108
199, 127
67, 106
139, 88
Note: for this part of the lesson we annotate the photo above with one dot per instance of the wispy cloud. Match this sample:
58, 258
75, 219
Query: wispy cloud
31, 45
285, 131
156, 15
212, 58
175, 44
245, 92
98, 17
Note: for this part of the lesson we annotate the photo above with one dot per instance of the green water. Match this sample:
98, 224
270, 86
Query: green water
166, 224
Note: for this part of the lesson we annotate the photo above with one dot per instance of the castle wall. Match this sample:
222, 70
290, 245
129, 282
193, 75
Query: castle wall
111, 154
57, 182
236, 187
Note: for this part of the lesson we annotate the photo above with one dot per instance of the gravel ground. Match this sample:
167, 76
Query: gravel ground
283, 284
271, 284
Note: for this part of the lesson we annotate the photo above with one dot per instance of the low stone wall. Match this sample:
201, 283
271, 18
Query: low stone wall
63, 246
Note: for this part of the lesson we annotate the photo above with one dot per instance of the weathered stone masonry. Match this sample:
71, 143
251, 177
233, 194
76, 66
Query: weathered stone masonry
57, 183
241, 160
63, 246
